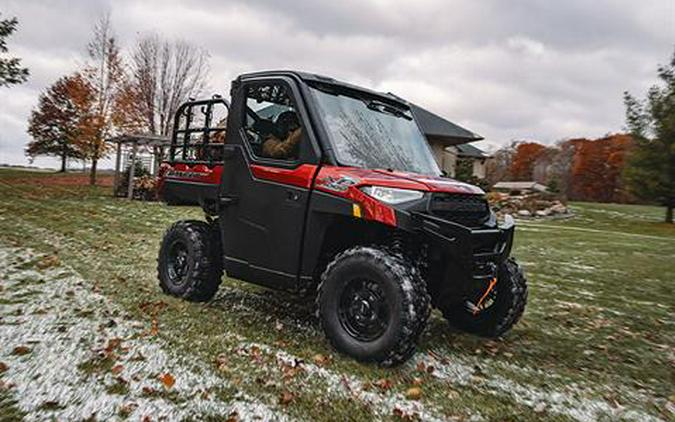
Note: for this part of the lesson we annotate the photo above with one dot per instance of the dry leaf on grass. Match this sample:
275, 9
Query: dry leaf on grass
221, 362
48, 261
3, 367
383, 384
286, 397
168, 380
117, 369
21, 350
414, 393
321, 360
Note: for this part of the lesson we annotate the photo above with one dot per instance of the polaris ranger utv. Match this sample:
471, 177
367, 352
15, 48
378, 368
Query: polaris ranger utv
320, 187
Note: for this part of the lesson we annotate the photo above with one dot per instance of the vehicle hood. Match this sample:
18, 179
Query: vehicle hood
337, 178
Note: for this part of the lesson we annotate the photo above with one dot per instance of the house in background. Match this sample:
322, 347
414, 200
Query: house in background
450, 142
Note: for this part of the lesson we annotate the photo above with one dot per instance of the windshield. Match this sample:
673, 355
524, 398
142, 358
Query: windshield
369, 133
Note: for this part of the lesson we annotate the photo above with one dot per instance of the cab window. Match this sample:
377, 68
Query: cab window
271, 122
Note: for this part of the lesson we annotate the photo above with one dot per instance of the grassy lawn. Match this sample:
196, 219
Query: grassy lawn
597, 340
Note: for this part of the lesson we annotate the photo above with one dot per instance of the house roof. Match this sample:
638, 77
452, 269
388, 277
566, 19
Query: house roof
468, 150
436, 128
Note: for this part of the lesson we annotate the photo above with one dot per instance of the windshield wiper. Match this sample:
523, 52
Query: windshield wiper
382, 107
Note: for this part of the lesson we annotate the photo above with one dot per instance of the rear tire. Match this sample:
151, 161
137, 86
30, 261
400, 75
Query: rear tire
190, 262
503, 314
373, 305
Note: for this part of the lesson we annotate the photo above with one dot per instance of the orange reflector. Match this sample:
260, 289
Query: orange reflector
356, 210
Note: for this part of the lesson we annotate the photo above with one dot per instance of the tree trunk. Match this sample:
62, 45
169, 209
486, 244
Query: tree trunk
669, 213
92, 173
64, 159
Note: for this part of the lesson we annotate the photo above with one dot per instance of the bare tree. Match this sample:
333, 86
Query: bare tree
163, 75
104, 75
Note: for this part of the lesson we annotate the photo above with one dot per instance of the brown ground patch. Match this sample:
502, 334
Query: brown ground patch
62, 180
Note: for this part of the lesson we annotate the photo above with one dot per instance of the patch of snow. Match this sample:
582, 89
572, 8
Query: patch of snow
66, 325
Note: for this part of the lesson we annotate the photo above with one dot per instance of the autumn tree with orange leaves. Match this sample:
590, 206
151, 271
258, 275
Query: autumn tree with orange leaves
524, 159
57, 122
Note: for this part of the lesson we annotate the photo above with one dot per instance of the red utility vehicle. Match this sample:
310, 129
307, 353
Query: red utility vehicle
320, 187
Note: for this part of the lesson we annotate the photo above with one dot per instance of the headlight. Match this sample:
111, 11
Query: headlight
392, 195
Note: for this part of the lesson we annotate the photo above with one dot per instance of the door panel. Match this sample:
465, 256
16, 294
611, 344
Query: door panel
264, 204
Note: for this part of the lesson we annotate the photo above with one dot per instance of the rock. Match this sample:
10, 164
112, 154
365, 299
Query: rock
524, 213
558, 209
543, 213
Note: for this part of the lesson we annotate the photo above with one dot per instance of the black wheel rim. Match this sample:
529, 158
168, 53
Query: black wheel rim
363, 311
177, 263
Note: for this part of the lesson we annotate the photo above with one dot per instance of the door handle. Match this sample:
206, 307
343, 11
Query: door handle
292, 195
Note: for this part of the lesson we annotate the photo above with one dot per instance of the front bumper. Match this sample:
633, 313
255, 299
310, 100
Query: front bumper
478, 245
470, 257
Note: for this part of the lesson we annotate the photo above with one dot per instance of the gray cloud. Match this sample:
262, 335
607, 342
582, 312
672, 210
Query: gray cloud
508, 70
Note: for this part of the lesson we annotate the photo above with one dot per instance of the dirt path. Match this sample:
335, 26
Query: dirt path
67, 353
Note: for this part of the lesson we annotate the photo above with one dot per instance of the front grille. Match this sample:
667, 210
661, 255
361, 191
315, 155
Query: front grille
464, 209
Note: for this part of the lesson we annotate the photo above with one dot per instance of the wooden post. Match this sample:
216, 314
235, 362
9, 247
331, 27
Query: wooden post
130, 191
118, 158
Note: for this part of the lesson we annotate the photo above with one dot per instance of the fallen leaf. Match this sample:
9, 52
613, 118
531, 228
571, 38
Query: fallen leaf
113, 344
21, 350
48, 261
452, 394
413, 393
383, 384
421, 366
117, 369
149, 391
3, 367
417, 381
232, 417
321, 360
127, 409
168, 380
286, 397
221, 362
154, 327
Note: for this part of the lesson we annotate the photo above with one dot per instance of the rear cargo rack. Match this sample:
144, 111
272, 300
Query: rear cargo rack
198, 135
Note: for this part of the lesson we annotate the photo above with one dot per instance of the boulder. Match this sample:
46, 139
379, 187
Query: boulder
524, 213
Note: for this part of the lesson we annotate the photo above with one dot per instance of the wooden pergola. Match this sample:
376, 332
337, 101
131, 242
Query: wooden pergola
132, 142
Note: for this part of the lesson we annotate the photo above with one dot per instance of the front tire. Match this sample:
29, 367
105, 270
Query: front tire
190, 263
373, 305
510, 298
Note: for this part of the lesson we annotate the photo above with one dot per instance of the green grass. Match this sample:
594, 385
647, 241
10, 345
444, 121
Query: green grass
599, 323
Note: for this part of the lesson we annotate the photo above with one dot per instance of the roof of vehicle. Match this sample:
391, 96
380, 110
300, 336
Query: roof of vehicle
432, 125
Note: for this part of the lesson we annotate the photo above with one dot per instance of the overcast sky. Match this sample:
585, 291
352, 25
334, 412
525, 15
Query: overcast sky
508, 70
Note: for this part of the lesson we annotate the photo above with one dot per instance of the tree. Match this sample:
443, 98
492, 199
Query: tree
105, 79
55, 124
498, 166
524, 159
163, 75
11, 71
650, 171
